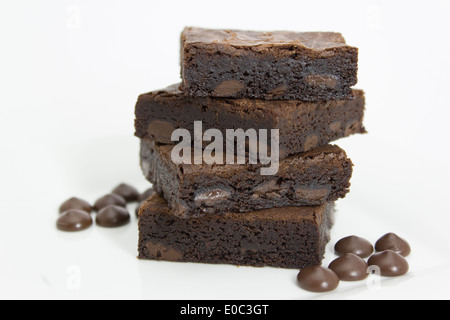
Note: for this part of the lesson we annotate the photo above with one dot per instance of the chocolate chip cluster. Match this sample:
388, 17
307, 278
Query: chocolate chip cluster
111, 209
389, 261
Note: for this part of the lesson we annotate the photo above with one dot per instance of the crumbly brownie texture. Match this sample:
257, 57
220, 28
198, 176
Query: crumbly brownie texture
303, 125
281, 65
292, 237
309, 179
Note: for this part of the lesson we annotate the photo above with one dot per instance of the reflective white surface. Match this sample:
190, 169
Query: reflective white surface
71, 73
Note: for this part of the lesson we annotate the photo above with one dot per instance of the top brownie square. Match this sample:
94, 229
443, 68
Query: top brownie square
281, 65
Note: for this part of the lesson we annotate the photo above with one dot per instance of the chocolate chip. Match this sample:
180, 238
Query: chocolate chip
144, 196
161, 131
353, 244
75, 204
322, 81
279, 90
350, 267
270, 189
393, 242
312, 141
318, 279
336, 126
74, 220
109, 200
138, 208
129, 193
314, 193
112, 216
162, 252
267, 187
391, 264
228, 88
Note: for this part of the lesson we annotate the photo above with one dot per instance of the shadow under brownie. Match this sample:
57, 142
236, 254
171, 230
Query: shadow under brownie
293, 237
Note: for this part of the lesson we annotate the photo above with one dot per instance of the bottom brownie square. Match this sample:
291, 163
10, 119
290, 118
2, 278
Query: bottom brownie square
290, 237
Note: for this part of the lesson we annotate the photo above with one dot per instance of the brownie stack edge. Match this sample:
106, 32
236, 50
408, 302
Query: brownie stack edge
298, 83
291, 237
194, 190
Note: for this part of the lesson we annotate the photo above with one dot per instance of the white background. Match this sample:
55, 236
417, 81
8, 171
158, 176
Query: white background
70, 73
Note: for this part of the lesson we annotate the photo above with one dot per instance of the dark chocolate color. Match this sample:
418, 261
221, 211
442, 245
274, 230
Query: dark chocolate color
74, 220
112, 216
353, 244
393, 242
109, 200
303, 126
126, 191
310, 66
318, 279
350, 267
146, 194
75, 204
309, 179
292, 237
391, 264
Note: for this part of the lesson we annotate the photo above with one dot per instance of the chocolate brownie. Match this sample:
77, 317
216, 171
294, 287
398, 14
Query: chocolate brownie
303, 125
308, 179
292, 237
310, 66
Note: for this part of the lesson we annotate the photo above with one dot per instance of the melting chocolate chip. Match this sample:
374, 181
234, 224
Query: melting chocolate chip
318, 279
353, 244
75, 204
350, 267
74, 220
391, 264
352, 127
144, 196
138, 208
322, 81
126, 191
270, 189
335, 126
161, 131
162, 252
312, 193
112, 216
109, 200
228, 88
312, 141
211, 197
393, 242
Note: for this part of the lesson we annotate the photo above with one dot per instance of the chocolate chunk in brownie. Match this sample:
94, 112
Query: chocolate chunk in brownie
308, 179
302, 126
280, 65
291, 237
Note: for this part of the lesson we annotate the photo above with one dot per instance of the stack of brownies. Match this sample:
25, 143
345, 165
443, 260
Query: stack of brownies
297, 83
